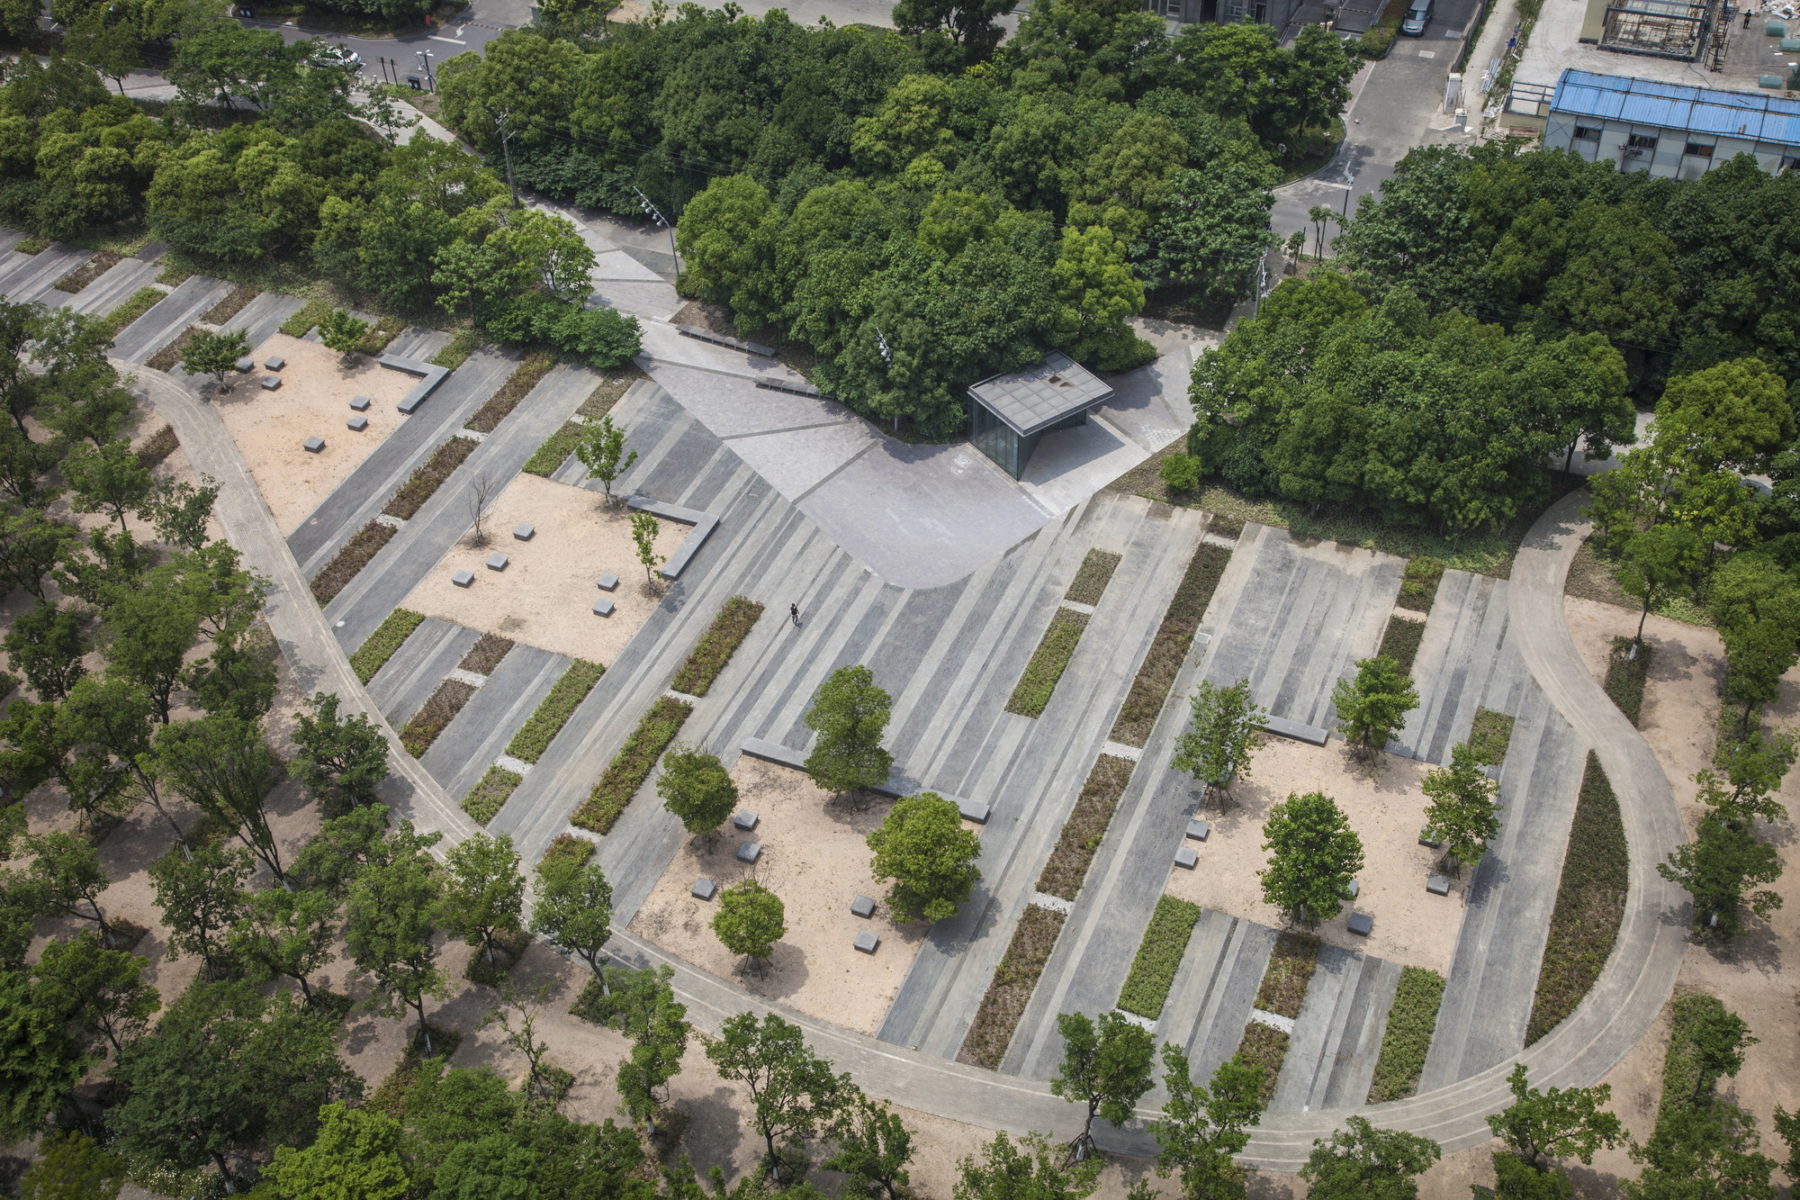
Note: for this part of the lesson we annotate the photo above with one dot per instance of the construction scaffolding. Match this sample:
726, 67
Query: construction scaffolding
1664, 28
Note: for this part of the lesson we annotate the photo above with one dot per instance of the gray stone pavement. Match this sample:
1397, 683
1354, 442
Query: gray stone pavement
470, 744
169, 317
120, 282
1337, 1037
28, 277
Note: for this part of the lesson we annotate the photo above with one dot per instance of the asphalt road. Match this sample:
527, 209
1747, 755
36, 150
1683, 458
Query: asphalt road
401, 54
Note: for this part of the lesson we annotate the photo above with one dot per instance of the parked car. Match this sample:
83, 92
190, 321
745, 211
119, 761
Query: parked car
1418, 15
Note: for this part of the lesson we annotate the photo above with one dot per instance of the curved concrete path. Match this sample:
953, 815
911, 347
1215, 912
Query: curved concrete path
1630, 992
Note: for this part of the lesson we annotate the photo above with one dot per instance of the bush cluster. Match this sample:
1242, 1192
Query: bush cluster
1014, 979
373, 654
553, 712
1035, 687
1411, 1020
716, 646
632, 765
1158, 957
1170, 646
1083, 832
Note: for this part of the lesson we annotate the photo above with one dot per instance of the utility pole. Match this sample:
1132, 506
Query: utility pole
655, 214
501, 123
425, 66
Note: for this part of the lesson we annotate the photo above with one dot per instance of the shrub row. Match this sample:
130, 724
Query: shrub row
1419, 584
568, 847
373, 654
486, 654
1170, 646
486, 797
1290, 969
169, 357
1153, 970
1625, 676
1083, 832
434, 715
525, 376
553, 712
727, 632
632, 765
456, 352
88, 271
157, 447
1490, 734
139, 303
363, 545
35, 244
1590, 903
1401, 641
383, 330
1035, 687
232, 304
1010, 991
555, 451
302, 322
1411, 1021
1265, 1046
428, 478
1090, 581
173, 275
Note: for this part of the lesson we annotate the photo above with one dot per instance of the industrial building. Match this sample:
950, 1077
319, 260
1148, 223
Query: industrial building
1673, 131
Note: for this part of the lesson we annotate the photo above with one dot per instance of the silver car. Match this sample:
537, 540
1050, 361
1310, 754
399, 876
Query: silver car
1418, 15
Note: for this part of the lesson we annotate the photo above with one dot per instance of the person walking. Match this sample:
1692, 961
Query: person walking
794, 612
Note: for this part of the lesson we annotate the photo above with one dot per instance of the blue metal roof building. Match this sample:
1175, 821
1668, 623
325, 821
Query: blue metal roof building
1668, 129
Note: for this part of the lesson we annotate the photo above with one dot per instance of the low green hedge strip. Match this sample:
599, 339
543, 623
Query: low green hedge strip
632, 765
727, 632
1010, 991
373, 654
553, 711
555, 451
1411, 1021
1590, 903
1158, 957
309, 315
1290, 969
1170, 646
1083, 832
1490, 734
1035, 687
1419, 584
1090, 581
1401, 641
135, 306
418, 734
1264, 1046
1625, 677
488, 796
456, 352
568, 847
1681, 1063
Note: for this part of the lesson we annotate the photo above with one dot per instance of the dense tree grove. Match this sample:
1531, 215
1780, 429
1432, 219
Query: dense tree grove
921, 208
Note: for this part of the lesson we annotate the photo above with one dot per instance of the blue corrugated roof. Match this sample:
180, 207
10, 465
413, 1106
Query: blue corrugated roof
1772, 119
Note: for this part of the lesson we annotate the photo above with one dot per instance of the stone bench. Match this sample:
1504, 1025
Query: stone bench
1186, 859
896, 786
360, 404
1298, 730
1438, 885
275, 364
524, 533
1361, 924
749, 852
463, 579
245, 365
721, 339
867, 941
703, 522
1199, 830
775, 752
862, 906
357, 424
703, 888
497, 562
607, 582
429, 377
744, 819
603, 607
271, 383
792, 387
313, 445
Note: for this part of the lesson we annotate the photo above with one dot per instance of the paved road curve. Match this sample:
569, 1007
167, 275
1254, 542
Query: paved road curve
1636, 983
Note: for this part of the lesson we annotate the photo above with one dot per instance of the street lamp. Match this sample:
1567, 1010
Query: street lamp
425, 57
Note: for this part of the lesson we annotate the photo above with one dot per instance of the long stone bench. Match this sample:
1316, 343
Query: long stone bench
788, 385
720, 339
1299, 731
429, 377
703, 522
897, 785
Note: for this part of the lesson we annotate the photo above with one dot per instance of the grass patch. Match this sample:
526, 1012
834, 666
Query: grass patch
558, 446
302, 322
1590, 903
632, 765
390, 1096
169, 357
1264, 1046
434, 715
1048, 661
1156, 674
1090, 581
1006, 997
567, 847
385, 329
231, 305
89, 271
1593, 575
1400, 641
553, 712
487, 796
1290, 970
174, 275
428, 478
1419, 584
456, 352
1153, 970
1625, 676
35, 244
1681, 1064
485, 654
363, 545
135, 306
716, 646
1490, 735
555, 451
1082, 833
373, 654
1411, 1021
157, 447
525, 376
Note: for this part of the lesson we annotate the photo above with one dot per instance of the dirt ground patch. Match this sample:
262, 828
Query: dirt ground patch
545, 595
314, 401
1385, 808
816, 859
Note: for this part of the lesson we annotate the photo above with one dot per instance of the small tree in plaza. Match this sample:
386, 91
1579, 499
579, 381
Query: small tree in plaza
1465, 809
215, 354
696, 788
574, 910
602, 451
850, 715
793, 1092
924, 849
750, 920
1106, 1067
1313, 856
343, 331
642, 1006
1216, 746
1372, 707
1361, 1162
643, 537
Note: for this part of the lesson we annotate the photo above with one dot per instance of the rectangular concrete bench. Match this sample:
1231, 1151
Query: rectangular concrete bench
603, 607
862, 906
775, 752
744, 819
1198, 830
357, 424
749, 852
497, 562
463, 579
867, 941
972, 810
313, 445
1298, 730
607, 582
720, 339
703, 888
271, 383
1438, 885
896, 786
429, 377
703, 522
360, 404
1361, 924
275, 364
245, 365
1185, 858
792, 387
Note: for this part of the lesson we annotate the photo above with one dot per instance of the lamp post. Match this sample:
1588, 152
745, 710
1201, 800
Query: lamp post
425, 57
655, 214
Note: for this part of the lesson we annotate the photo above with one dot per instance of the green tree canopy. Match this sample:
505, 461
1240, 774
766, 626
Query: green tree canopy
1313, 856
750, 920
923, 847
850, 715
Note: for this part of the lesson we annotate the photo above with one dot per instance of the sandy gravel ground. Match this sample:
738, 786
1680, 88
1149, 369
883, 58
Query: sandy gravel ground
545, 595
816, 859
314, 400
1385, 808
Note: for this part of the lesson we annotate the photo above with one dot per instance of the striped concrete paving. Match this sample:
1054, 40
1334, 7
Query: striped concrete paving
118, 284
470, 744
169, 317
1337, 1036
32, 277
